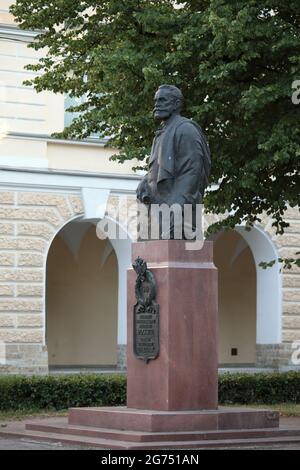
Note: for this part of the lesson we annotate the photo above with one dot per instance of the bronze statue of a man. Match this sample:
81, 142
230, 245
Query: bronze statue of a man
180, 159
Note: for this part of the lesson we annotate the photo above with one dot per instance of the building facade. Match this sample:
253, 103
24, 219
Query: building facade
63, 289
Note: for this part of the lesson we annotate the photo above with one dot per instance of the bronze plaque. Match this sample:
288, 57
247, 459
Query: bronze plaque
146, 332
146, 314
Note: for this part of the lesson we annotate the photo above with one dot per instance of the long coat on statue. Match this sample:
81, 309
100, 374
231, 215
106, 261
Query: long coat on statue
179, 165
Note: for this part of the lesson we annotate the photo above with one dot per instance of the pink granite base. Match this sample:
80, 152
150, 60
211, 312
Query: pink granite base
122, 418
58, 430
185, 374
131, 429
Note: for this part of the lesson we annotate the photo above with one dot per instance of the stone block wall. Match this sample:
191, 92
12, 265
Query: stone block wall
122, 357
29, 220
275, 356
279, 356
288, 245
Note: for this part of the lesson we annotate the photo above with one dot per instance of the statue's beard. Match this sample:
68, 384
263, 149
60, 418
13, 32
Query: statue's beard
162, 115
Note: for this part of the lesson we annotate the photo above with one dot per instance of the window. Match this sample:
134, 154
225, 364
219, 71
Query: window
69, 116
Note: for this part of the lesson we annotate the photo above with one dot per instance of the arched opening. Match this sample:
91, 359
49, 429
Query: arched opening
237, 300
81, 299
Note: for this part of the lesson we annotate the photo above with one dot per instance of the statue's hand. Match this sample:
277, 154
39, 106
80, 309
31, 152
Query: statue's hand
139, 190
146, 199
142, 192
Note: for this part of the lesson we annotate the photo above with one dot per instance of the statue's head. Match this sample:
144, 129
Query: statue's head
168, 100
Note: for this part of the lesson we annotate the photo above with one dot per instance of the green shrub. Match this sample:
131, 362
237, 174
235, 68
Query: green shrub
265, 389
61, 392
65, 391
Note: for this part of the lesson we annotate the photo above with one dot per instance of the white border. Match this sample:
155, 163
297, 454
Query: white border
70, 181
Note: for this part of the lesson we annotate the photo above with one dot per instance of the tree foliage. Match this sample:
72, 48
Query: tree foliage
235, 62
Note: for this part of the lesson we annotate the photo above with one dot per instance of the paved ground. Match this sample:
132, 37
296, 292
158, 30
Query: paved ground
22, 444
27, 444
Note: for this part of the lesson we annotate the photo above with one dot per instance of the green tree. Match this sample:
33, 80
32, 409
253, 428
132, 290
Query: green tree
235, 62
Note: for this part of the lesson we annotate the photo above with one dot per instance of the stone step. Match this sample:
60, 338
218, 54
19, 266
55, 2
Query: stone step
109, 444
222, 443
133, 436
119, 440
223, 418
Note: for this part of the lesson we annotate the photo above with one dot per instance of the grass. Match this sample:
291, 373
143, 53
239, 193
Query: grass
20, 415
285, 410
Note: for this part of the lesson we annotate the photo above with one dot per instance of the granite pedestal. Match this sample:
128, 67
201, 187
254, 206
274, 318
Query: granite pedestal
185, 374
